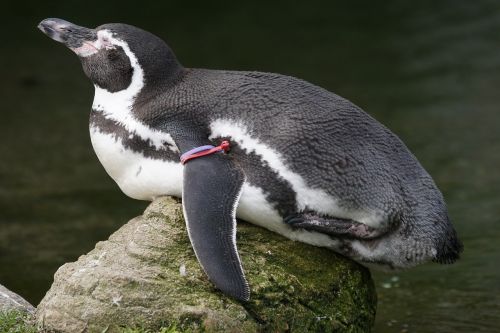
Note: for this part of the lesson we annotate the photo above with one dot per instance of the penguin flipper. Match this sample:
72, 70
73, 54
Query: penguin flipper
211, 191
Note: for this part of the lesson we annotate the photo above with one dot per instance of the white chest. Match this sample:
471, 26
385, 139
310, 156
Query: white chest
138, 176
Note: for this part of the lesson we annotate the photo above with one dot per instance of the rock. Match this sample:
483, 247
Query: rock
146, 275
10, 301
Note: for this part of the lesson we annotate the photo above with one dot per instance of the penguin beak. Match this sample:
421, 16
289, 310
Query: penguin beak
71, 35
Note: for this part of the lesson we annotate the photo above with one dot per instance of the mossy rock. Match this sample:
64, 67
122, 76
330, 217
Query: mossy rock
146, 276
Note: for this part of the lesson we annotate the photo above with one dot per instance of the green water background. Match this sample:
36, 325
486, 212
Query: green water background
429, 70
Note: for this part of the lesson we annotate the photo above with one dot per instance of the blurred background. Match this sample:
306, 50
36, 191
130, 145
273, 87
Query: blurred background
428, 70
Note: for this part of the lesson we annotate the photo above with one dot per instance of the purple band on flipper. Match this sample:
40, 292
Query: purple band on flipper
196, 150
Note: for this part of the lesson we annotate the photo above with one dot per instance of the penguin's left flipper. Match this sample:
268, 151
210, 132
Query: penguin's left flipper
333, 226
211, 190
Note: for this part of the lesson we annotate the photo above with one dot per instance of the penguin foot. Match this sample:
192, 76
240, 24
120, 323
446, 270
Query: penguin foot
332, 226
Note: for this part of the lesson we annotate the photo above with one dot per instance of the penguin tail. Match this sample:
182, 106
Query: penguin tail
449, 248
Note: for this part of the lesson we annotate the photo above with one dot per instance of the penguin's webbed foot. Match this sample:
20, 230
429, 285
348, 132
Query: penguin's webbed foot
332, 226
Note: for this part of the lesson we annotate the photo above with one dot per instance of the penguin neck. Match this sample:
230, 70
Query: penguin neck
159, 81
164, 73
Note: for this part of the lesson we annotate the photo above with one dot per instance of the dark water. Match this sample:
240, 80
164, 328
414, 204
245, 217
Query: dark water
430, 71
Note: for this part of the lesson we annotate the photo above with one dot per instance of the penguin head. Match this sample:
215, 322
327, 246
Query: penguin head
116, 56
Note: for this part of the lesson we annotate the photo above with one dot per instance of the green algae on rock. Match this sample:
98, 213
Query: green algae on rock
146, 275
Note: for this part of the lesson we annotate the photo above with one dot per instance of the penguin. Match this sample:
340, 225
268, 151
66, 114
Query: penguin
295, 158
